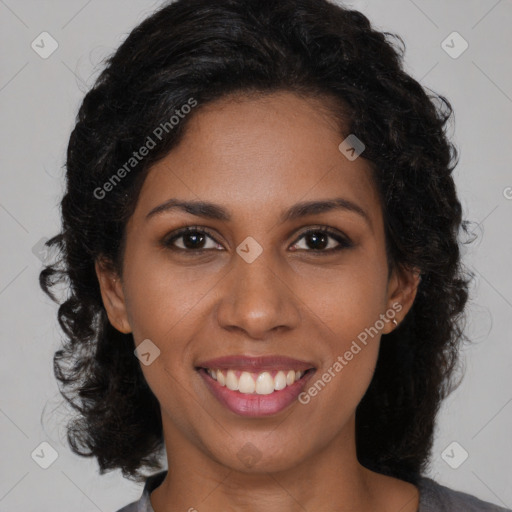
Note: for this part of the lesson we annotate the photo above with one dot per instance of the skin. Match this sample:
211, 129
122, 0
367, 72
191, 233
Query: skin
257, 156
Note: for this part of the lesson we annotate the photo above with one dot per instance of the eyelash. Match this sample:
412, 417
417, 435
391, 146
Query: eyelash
343, 241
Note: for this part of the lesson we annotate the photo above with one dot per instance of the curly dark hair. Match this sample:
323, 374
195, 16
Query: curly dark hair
205, 50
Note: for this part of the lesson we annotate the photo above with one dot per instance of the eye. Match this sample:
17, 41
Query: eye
318, 239
193, 240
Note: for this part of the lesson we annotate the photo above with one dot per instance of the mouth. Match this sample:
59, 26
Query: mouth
259, 383
255, 386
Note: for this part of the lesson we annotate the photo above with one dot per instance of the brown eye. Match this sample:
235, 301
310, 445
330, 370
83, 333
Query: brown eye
190, 240
321, 240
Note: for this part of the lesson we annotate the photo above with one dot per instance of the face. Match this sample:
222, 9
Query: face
256, 280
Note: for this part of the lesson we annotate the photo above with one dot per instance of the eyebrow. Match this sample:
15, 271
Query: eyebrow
209, 210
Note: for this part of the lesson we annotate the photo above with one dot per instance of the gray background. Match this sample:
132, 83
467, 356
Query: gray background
39, 99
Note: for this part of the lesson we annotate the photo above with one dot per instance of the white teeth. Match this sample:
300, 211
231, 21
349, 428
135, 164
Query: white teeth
279, 381
231, 381
264, 384
248, 383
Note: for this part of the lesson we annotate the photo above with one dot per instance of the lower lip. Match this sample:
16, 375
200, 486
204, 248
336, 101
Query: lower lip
253, 405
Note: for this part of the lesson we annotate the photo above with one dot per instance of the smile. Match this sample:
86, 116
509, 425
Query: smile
255, 386
263, 383
256, 394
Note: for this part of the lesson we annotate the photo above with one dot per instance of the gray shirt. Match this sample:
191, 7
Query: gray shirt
433, 498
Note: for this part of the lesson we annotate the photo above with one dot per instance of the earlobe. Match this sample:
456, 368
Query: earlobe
113, 296
402, 289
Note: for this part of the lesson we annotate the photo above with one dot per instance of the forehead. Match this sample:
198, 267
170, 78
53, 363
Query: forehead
258, 154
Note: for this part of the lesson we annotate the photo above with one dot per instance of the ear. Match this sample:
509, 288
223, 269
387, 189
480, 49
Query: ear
113, 296
402, 288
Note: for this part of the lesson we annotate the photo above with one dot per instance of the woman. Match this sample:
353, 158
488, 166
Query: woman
260, 207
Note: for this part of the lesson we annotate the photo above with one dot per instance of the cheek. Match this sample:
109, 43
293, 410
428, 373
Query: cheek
165, 304
348, 304
348, 298
351, 310
161, 308
159, 295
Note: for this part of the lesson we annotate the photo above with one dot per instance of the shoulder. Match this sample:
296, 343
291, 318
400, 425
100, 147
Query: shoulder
435, 497
132, 507
144, 503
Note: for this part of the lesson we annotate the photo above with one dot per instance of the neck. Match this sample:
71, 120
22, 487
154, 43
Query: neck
330, 479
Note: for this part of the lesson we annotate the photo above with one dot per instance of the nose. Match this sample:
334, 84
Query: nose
258, 299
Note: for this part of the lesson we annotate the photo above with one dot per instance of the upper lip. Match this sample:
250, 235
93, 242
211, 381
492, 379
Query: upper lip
259, 363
